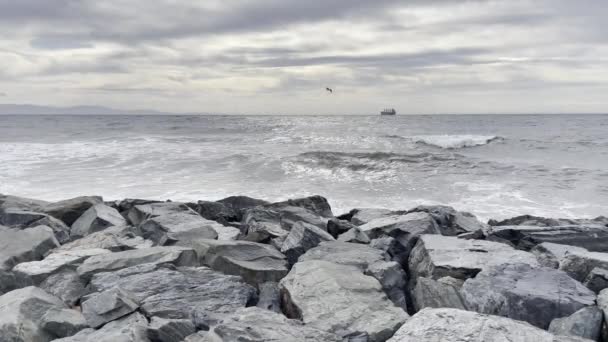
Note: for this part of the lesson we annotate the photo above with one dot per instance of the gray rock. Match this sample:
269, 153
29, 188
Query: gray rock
63, 322
339, 299
21, 203
61, 230
200, 293
585, 323
355, 235
345, 253
240, 203
530, 220
108, 306
115, 239
457, 283
132, 328
140, 213
70, 210
21, 313
95, 219
302, 237
227, 233
17, 246
602, 303
597, 280
362, 216
429, 293
451, 222
445, 324
579, 264
552, 254
125, 205
519, 291
315, 204
257, 325
263, 223
593, 237
269, 297
17, 218
171, 228
337, 227
393, 248
255, 262
200, 336
169, 330
216, 211
179, 256
393, 280
65, 285
437, 256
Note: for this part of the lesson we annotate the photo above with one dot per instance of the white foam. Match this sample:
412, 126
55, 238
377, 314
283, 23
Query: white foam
455, 141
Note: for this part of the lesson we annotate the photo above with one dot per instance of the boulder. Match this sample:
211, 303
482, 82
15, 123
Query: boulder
196, 293
63, 322
260, 224
392, 278
21, 203
95, 219
17, 246
451, 222
437, 256
61, 230
519, 291
602, 303
430, 293
339, 299
593, 237
302, 237
362, 216
169, 229
132, 328
337, 227
530, 220
227, 233
125, 205
315, 204
552, 254
240, 203
216, 211
579, 264
255, 262
115, 239
597, 280
355, 235
257, 325
344, 253
585, 323
179, 256
21, 313
393, 248
169, 330
18, 218
269, 297
65, 285
70, 210
446, 324
101, 308
141, 212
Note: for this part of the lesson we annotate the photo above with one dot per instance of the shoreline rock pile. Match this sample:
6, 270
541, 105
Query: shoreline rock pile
243, 269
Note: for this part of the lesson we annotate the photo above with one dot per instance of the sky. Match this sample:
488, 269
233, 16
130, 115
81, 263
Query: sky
277, 56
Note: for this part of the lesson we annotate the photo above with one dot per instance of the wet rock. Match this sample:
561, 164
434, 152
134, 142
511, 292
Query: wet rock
519, 291
257, 325
140, 213
315, 204
597, 280
362, 216
269, 297
263, 223
551, 254
592, 237
530, 220
132, 328
240, 203
179, 256
256, 263
437, 256
302, 237
451, 222
585, 323
339, 299
169, 330
579, 263
63, 322
429, 293
17, 246
392, 278
107, 306
216, 211
95, 219
446, 324
17, 218
115, 239
70, 210
196, 293
337, 227
169, 229
355, 235
65, 285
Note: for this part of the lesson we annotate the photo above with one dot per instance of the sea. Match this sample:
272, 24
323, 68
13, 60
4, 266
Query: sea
494, 166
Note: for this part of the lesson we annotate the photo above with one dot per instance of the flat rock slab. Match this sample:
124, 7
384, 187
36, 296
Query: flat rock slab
170, 330
174, 227
345, 253
430, 293
141, 212
115, 239
107, 306
339, 299
63, 322
132, 328
519, 291
179, 256
551, 254
437, 256
255, 262
439, 325
315, 204
196, 293
95, 219
591, 237
70, 210
257, 325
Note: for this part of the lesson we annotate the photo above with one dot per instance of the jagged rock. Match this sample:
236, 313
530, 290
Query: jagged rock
362, 216
278, 242
95, 219
345, 253
393, 248
196, 293
179, 256
35, 272
593, 237
132, 328
125, 205
355, 235
404, 228
429, 293
70, 210
257, 325
579, 263
17, 218
302, 237
602, 304
262, 223
171, 228
337, 227
269, 297
21, 203
115, 239
255, 262
446, 324
585, 323
392, 278
552, 254
339, 299
530, 220
108, 306
63, 322
199, 336
21, 313
65, 285
169, 330
457, 283
437, 256
316, 204
240, 203
17, 246
216, 211
227, 233
519, 291
451, 222
141, 212
597, 280
61, 230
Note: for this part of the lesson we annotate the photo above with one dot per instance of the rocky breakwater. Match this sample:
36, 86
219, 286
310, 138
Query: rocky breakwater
243, 269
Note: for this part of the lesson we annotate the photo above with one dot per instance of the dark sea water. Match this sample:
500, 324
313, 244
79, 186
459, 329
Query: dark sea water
495, 166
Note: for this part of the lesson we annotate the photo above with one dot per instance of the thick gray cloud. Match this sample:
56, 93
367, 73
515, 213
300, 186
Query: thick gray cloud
252, 55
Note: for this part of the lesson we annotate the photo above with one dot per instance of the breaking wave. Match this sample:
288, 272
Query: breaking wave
456, 141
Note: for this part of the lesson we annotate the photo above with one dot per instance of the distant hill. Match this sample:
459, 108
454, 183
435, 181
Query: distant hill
24, 109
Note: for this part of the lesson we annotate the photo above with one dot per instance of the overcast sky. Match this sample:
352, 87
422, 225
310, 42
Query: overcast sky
277, 56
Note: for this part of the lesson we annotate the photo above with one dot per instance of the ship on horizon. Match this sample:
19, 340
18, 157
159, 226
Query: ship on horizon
390, 111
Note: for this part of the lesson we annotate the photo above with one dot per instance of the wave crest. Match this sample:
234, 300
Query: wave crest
456, 141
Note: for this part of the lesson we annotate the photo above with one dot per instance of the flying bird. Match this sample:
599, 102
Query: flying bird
329, 90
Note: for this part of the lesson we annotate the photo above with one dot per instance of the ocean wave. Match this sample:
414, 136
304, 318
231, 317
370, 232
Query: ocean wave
456, 141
